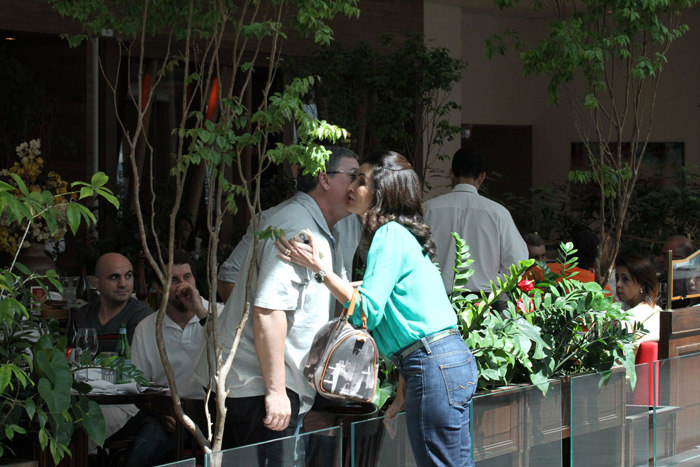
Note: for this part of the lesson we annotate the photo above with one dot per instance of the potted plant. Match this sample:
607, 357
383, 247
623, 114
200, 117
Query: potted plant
15, 236
40, 399
553, 327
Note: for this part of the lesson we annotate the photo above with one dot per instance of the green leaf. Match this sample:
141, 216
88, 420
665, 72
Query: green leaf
10, 430
73, 217
64, 432
30, 408
531, 332
99, 179
43, 437
109, 196
5, 376
20, 184
86, 192
55, 387
94, 424
50, 217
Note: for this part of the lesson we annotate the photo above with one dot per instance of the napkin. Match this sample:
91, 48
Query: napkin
105, 387
93, 377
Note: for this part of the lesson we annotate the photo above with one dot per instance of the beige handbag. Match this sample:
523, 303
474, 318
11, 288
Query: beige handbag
342, 362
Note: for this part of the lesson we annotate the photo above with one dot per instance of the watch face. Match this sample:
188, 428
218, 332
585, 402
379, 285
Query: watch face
320, 276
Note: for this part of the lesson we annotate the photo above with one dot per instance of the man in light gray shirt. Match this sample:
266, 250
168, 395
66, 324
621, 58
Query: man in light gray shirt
268, 393
486, 226
349, 231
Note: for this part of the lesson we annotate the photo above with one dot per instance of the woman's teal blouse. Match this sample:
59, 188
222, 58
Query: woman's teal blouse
402, 292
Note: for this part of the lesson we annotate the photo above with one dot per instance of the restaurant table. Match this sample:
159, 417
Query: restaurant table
161, 402
80, 441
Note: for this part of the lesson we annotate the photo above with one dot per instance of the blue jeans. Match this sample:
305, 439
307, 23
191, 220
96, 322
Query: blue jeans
440, 382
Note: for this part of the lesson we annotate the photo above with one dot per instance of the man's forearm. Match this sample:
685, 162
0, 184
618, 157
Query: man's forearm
270, 329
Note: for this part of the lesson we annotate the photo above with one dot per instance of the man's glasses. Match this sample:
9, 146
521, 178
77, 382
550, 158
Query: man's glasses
350, 173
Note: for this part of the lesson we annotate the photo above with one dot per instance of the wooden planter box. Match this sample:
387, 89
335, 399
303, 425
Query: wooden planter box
498, 423
511, 424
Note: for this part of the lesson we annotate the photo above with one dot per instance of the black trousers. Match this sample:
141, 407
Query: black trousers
244, 426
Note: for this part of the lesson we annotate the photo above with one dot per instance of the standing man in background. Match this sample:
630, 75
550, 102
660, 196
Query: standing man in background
486, 226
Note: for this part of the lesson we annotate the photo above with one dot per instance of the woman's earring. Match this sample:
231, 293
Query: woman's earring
641, 291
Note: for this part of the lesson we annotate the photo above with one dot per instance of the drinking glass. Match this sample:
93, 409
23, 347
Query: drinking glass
91, 290
87, 342
70, 285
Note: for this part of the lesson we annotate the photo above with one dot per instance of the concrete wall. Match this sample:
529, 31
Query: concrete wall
495, 91
443, 27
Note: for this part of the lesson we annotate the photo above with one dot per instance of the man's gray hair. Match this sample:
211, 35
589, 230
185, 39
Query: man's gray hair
307, 183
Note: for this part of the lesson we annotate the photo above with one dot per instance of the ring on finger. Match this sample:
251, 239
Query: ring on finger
287, 252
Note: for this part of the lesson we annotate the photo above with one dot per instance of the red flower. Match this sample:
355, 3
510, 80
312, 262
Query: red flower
526, 285
525, 309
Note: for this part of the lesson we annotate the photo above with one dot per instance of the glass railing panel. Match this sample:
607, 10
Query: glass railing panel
183, 463
380, 442
676, 415
497, 421
521, 425
313, 449
638, 448
610, 418
544, 424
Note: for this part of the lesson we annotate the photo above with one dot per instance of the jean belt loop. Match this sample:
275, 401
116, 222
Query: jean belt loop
426, 346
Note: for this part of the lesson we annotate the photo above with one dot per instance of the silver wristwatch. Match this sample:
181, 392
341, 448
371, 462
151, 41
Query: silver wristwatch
320, 276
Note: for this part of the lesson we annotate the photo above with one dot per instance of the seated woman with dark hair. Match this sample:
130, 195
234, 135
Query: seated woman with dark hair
638, 288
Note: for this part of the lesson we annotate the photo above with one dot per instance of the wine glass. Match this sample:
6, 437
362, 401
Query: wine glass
87, 342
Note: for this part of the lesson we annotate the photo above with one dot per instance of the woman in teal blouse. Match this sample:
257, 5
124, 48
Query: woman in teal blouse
410, 316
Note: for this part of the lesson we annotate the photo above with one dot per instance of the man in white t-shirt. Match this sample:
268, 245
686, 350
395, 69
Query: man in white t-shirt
486, 226
184, 341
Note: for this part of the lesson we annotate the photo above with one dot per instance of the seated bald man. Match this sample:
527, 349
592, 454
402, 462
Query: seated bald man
114, 280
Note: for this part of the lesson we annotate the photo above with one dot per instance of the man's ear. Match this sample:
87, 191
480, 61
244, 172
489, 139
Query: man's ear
481, 179
324, 180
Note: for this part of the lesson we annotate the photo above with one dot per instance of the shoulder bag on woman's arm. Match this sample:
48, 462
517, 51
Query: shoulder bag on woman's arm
342, 363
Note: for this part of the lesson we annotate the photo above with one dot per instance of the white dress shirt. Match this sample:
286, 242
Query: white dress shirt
183, 346
486, 226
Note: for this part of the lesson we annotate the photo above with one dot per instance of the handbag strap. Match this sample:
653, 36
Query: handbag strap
351, 308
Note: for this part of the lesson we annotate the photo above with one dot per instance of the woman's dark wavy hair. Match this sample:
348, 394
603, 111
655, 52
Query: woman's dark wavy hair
397, 196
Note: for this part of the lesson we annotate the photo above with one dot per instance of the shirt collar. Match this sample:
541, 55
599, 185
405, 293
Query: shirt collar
168, 321
465, 187
312, 206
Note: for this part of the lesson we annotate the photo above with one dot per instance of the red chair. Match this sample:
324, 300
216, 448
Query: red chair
648, 352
